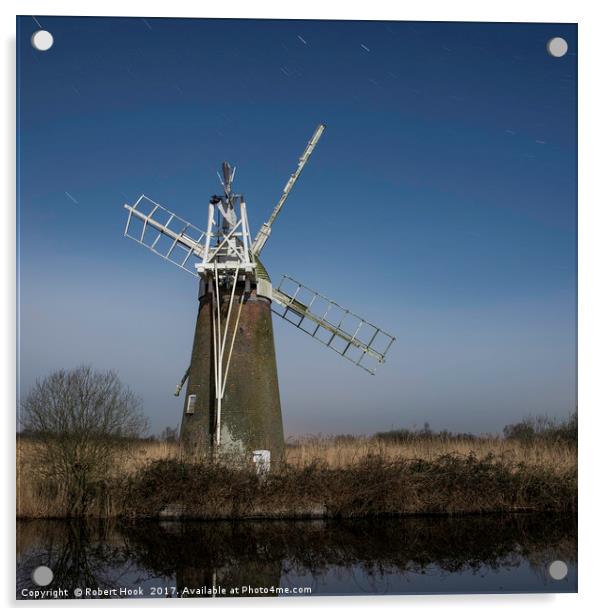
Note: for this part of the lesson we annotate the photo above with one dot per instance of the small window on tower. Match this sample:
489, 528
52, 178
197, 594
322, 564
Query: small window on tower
190, 404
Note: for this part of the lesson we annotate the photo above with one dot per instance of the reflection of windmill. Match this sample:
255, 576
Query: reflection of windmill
232, 401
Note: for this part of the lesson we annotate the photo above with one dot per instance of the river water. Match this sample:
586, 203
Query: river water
413, 555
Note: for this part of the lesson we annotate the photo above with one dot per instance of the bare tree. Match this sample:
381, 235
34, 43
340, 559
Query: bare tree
77, 419
169, 435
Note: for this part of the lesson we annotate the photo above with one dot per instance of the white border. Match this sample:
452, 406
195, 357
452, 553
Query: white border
590, 304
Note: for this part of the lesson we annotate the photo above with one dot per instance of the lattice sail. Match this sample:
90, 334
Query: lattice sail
266, 228
352, 337
165, 233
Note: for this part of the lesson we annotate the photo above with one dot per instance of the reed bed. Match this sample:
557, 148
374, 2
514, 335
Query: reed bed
341, 452
321, 476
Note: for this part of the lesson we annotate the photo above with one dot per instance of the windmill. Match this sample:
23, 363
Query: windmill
232, 404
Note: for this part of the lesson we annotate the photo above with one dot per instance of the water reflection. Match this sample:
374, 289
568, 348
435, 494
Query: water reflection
407, 555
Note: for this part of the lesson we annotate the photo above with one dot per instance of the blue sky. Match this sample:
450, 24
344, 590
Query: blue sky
440, 204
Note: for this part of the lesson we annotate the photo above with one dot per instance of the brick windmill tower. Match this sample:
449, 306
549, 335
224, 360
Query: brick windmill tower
232, 404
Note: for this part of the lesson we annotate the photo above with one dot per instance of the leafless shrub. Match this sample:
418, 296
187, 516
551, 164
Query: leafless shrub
77, 420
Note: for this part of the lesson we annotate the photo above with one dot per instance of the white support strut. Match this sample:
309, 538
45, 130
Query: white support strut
220, 343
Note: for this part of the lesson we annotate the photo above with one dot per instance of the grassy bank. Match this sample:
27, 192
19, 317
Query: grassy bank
324, 476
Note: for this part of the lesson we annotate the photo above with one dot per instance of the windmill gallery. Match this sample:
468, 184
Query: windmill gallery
232, 404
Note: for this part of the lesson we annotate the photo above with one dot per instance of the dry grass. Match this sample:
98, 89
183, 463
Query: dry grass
341, 452
335, 475
39, 499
